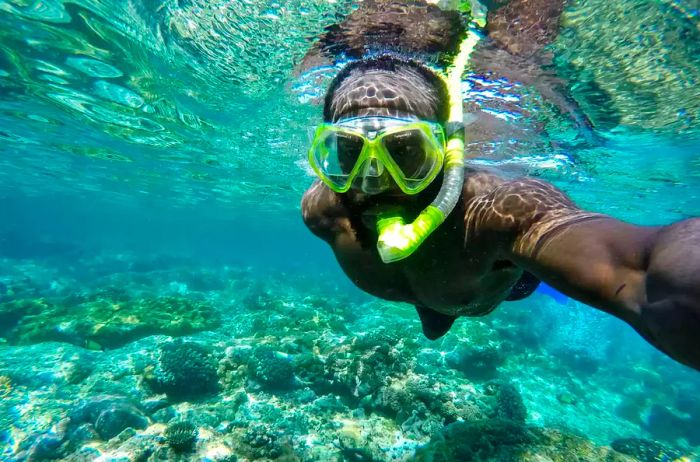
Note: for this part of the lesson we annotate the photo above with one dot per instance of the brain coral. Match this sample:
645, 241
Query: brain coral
185, 371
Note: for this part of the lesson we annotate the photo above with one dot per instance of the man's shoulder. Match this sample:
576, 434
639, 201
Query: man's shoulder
480, 182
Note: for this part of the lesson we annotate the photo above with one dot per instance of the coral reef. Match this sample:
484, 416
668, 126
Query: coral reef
260, 442
478, 440
181, 435
99, 418
491, 440
271, 369
185, 371
292, 373
509, 403
476, 363
645, 450
105, 319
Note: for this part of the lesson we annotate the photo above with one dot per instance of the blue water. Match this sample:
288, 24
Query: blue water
152, 161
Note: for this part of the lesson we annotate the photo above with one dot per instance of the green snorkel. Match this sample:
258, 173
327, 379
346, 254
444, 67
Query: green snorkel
397, 239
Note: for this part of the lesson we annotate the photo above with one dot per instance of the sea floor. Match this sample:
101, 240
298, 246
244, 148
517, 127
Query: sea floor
116, 358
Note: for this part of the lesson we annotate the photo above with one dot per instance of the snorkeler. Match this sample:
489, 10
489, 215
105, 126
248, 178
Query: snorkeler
408, 221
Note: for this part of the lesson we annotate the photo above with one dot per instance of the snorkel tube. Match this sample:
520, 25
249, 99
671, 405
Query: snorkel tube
397, 239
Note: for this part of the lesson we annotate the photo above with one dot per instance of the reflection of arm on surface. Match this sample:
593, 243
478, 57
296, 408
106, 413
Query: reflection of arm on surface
646, 276
518, 33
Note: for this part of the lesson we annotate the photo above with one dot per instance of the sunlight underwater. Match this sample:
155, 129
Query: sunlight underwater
160, 298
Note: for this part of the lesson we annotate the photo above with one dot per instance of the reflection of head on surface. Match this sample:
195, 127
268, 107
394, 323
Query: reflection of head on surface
409, 27
387, 86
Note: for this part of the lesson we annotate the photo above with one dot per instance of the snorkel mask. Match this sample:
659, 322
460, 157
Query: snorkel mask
411, 152
364, 145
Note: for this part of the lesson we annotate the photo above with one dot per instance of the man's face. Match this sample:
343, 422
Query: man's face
383, 139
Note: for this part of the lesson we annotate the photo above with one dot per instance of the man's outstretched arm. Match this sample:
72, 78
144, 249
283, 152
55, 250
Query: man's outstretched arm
647, 276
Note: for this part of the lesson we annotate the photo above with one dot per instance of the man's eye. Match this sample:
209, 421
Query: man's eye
408, 152
348, 150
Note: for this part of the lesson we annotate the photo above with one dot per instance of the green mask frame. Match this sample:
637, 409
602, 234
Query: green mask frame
427, 137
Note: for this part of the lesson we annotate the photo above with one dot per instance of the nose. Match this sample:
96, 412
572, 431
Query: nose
374, 177
373, 168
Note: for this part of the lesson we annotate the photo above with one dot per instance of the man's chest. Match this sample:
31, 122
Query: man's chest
441, 275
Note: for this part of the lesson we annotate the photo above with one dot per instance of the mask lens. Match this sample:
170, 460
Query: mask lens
336, 154
413, 154
348, 148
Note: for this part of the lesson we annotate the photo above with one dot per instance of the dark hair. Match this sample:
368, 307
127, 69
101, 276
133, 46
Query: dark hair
391, 63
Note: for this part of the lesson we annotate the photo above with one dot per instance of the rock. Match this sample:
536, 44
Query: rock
476, 363
81, 435
114, 420
645, 450
109, 416
499, 440
84, 454
155, 404
12, 312
479, 440
106, 319
164, 415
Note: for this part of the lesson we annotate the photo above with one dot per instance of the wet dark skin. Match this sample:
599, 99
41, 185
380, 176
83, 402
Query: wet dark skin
505, 234
646, 276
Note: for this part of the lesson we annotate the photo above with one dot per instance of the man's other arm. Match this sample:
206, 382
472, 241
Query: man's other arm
646, 276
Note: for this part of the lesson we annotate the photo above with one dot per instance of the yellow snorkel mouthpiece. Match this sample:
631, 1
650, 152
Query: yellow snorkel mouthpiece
397, 239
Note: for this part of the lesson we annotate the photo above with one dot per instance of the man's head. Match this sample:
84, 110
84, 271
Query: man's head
398, 108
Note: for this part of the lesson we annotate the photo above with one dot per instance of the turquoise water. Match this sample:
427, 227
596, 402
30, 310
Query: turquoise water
152, 161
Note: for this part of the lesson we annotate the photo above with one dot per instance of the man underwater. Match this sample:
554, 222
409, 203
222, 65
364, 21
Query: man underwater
407, 222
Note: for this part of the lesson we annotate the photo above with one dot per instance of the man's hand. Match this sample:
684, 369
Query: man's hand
671, 313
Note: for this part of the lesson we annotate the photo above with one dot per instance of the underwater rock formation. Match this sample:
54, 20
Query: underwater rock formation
502, 440
476, 363
107, 319
109, 416
645, 450
99, 418
509, 404
478, 440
